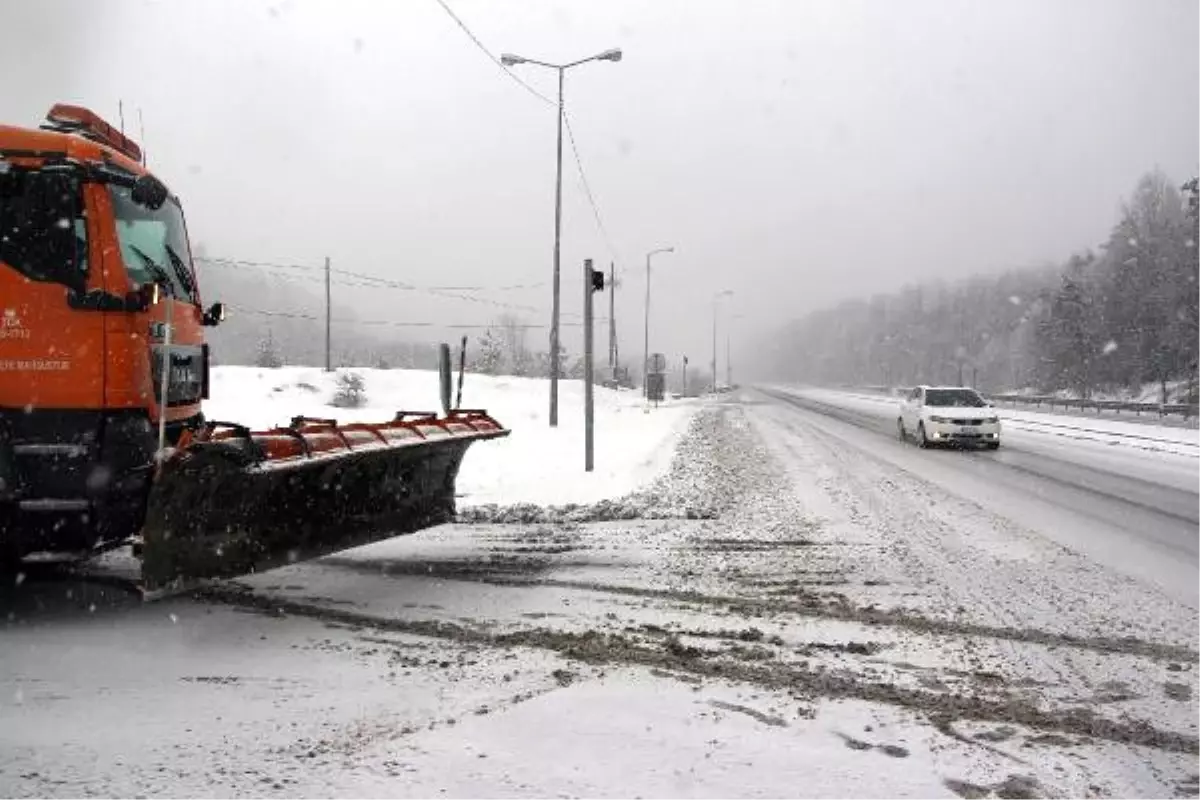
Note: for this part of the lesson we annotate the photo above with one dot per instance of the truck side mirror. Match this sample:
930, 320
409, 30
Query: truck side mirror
214, 316
143, 297
149, 192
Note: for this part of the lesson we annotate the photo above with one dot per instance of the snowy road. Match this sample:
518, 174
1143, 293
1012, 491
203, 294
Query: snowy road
1125, 495
787, 612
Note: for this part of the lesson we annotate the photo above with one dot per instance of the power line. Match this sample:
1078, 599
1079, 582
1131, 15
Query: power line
268, 266
566, 120
375, 282
491, 57
437, 292
395, 323
587, 189
259, 264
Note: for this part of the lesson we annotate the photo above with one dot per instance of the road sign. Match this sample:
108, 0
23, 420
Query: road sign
657, 362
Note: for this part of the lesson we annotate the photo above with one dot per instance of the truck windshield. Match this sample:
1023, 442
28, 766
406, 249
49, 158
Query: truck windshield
43, 234
153, 243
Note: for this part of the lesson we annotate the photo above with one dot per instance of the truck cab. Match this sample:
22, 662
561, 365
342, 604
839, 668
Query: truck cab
102, 354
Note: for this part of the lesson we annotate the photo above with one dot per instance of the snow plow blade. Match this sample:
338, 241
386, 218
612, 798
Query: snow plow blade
229, 501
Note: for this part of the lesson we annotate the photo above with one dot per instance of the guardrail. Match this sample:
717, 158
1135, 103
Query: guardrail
1185, 410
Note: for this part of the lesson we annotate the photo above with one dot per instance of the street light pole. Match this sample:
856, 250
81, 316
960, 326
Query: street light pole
509, 60
714, 350
728, 337
646, 337
728, 363
716, 301
557, 240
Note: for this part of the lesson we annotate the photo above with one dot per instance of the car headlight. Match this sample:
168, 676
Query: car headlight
939, 419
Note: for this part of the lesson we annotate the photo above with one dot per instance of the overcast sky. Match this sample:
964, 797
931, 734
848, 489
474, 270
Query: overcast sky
796, 152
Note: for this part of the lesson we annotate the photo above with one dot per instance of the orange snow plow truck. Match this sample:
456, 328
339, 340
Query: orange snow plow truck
103, 370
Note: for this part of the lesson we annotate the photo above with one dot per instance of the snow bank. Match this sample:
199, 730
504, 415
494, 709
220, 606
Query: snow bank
536, 464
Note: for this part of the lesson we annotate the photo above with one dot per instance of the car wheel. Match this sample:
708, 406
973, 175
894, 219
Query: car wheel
900, 429
993, 445
922, 442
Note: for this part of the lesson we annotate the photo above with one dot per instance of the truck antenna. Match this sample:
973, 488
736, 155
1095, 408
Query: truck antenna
142, 135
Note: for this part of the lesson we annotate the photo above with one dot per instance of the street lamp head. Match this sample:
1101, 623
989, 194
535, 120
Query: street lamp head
610, 55
508, 60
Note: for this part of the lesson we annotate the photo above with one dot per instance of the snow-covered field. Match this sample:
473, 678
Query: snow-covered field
535, 464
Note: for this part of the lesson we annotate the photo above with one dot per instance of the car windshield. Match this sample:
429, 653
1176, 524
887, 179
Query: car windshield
153, 243
954, 397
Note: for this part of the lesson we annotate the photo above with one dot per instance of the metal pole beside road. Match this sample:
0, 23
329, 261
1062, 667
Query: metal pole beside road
714, 350
589, 286
716, 301
509, 60
646, 338
554, 316
612, 320
462, 367
328, 337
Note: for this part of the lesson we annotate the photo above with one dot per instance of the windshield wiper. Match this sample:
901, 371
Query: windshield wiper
157, 269
181, 270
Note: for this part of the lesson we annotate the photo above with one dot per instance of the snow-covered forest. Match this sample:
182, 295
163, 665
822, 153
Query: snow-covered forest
1111, 320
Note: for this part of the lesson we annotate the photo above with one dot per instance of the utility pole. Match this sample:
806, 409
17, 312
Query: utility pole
612, 320
328, 321
714, 352
685, 386
593, 281
716, 303
728, 363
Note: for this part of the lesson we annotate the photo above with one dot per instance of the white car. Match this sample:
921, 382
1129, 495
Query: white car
935, 415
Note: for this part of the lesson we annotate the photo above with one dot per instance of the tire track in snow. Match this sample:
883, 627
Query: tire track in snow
594, 647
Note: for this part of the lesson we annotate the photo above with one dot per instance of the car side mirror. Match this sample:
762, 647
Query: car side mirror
214, 316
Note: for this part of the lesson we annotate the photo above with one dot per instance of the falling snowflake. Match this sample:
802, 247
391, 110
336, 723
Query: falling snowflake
1110, 347
18, 697
1014, 299
174, 619
20, 578
1132, 242
63, 223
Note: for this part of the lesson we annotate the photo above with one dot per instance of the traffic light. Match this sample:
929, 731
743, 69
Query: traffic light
597, 280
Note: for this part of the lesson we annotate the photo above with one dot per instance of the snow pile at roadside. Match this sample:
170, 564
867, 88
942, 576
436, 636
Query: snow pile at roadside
536, 464
710, 472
